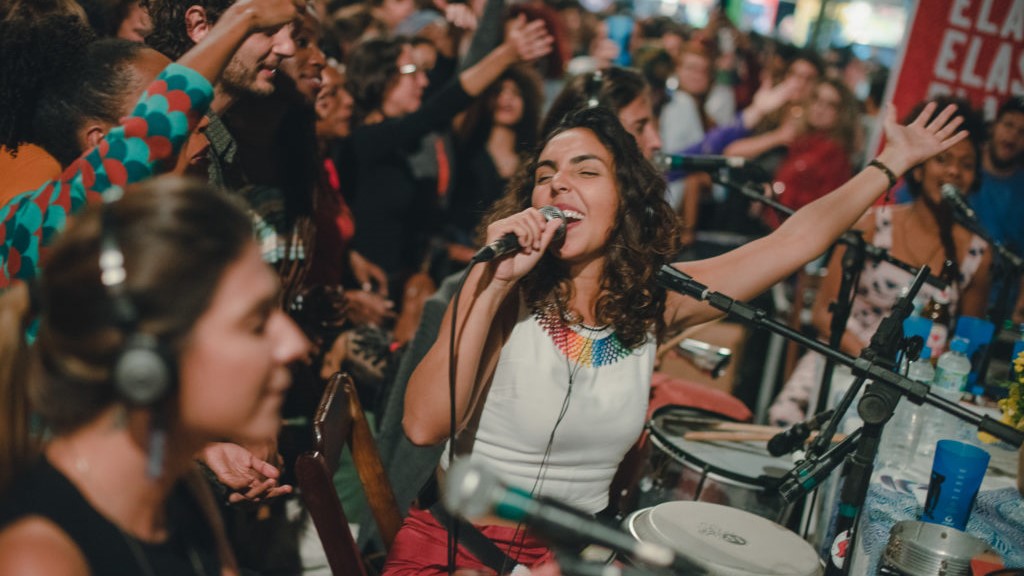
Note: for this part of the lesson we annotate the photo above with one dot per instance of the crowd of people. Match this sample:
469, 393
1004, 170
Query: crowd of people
207, 207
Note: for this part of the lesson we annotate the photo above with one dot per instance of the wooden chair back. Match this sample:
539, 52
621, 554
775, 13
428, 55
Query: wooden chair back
339, 420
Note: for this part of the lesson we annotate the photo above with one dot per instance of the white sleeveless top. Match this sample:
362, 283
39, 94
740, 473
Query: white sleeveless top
606, 411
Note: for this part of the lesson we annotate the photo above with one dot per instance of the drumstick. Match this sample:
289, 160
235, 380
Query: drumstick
736, 436
744, 427
718, 424
741, 436
659, 354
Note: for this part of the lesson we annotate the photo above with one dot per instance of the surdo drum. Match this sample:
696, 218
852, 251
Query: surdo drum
723, 541
737, 474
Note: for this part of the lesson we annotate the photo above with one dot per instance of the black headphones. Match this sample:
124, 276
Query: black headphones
592, 88
142, 372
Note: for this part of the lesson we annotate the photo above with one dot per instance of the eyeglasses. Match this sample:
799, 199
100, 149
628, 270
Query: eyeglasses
410, 69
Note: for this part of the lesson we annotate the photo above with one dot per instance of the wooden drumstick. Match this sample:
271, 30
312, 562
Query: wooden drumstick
671, 343
742, 435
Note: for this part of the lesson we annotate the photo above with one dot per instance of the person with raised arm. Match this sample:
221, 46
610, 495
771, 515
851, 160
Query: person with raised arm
554, 343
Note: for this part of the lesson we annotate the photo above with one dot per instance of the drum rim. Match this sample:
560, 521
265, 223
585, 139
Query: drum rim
659, 438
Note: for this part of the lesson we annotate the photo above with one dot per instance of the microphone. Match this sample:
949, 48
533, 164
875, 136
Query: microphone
509, 243
697, 163
956, 200
789, 439
708, 163
472, 491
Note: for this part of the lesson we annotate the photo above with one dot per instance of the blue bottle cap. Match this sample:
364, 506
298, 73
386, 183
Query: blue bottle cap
959, 344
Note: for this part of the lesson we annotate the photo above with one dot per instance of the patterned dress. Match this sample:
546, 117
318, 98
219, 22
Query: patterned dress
877, 291
154, 132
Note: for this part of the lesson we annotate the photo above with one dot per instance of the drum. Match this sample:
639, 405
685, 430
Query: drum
722, 541
922, 549
738, 474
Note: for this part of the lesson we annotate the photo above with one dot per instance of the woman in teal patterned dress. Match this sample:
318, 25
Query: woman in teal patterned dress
146, 142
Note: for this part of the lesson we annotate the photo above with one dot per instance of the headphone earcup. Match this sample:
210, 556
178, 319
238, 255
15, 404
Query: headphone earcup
142, 373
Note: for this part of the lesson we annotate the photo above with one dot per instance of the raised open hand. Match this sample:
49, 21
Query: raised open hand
529, 39
460, 16
264, 14
907, 146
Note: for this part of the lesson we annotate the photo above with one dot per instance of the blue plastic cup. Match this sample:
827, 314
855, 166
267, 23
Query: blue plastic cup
957, 471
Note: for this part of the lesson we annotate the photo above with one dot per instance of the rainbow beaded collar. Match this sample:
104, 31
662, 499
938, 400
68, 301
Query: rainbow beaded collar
581, 349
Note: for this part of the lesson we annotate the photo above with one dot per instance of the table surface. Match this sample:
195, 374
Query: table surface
898, 494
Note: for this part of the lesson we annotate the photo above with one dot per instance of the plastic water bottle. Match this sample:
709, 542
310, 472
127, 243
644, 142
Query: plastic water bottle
950, 380
953, 367
903, 431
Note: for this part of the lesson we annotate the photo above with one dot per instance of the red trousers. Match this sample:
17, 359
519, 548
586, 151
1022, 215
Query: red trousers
421, 547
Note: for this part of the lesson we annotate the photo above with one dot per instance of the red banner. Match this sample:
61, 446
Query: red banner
970, 48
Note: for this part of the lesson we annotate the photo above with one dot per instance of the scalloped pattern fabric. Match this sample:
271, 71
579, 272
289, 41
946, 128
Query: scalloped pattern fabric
155, 131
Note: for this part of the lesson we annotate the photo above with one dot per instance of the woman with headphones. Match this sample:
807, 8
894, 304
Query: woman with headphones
159, 333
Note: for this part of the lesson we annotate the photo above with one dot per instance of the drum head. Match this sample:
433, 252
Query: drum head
746, 462
725, 541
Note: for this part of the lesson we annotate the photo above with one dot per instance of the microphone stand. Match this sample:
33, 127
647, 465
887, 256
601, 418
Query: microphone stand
878, 402
853, 263
1008, 266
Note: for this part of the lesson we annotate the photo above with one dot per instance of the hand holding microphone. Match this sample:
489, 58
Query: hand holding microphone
509, 242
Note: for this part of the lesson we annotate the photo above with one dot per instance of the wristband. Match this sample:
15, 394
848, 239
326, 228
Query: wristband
885, 170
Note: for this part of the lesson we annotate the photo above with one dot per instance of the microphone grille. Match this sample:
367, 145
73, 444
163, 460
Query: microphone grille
950, 191
551, 213
469, 489
661, 160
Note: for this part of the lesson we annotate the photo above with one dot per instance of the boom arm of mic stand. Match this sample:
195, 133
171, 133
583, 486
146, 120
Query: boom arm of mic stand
917, 392
1008, 256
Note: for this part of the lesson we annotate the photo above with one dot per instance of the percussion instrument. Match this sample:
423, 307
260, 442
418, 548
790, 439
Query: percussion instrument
735, 473
923, 549
723, 541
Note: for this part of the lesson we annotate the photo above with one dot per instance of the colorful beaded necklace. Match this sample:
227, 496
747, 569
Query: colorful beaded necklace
583, 350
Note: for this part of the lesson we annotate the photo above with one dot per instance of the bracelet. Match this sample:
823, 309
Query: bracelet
885, 170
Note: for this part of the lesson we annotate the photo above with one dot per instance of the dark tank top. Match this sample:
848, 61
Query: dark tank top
190, 548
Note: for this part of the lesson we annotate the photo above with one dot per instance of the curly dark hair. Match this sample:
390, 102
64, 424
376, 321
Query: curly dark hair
973, 124
479, 119
169, 34
38, 49
106, 16
101, 86
643, 238
614, 87
372, 68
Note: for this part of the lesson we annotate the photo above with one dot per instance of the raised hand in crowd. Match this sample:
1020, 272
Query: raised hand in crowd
530, 39
768, 99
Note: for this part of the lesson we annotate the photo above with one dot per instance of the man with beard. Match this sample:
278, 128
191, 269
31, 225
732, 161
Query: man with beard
999, 203
180, 24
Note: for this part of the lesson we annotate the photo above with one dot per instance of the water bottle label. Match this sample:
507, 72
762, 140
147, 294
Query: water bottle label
937, 339
946, 380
